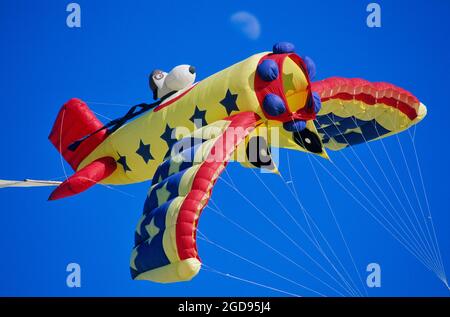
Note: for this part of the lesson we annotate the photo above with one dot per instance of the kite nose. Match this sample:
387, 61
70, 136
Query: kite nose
192, 69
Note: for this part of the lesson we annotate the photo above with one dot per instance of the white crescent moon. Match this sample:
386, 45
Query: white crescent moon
246, 23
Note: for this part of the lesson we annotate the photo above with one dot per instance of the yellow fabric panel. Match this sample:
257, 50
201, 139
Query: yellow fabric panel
138, 226
335, 146
295, 85
133, 258
175, 272
422, 111
388, 117
187, 179
169, 237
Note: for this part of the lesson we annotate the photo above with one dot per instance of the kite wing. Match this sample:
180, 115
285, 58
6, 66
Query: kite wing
165, 241
28, 183
356, 111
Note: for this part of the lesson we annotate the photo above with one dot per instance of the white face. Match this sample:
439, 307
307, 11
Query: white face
179, 78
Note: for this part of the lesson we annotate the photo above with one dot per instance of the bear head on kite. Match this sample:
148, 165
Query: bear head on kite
162, 84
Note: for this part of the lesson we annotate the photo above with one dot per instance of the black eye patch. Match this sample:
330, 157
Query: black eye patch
308, 140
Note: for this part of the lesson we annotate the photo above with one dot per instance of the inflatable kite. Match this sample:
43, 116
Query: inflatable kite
184, 141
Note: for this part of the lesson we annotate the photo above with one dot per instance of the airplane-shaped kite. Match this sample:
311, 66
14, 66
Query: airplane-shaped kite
185, 142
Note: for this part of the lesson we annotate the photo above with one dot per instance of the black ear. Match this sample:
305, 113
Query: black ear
152, 85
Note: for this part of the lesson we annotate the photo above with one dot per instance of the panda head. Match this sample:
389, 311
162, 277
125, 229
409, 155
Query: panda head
179, 78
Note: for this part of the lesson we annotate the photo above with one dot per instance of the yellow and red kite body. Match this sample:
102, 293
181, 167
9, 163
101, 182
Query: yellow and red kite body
184, 143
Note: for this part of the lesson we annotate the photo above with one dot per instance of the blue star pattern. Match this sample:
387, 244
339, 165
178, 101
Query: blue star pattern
229, 102
198, 118
169, 137
144, 152
123, 161
349, 131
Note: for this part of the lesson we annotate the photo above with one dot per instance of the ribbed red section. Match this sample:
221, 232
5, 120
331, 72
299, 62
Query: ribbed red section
367, 92
205, 179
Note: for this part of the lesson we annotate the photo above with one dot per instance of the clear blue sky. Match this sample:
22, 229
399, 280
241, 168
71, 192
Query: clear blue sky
43, 63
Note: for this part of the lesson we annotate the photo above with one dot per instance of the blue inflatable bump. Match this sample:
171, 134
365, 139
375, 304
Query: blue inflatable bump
317, 102
273, 105
268, 70
311, 67
283, 47
294, 126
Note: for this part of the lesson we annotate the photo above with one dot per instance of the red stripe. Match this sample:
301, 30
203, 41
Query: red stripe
204, 181
171, 101
364, 91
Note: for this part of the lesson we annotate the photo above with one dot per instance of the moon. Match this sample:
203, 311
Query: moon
247, 24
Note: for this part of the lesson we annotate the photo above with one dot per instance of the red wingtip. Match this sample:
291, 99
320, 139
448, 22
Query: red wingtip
85, 178
64, 190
